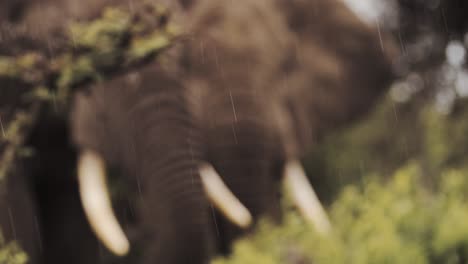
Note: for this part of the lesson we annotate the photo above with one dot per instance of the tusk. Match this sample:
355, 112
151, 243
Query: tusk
304, 196
219, 194
97, 205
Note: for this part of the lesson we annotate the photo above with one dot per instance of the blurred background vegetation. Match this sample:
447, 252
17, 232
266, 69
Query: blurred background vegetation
11, 253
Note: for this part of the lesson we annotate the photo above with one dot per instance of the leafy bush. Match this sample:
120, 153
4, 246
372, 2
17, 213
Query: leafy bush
386, 140
11, 253
398, 221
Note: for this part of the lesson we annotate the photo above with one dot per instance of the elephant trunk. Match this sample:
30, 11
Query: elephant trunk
178, 205
139, 123
172, 208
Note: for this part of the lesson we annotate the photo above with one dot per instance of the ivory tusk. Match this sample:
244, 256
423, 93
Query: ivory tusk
304, 196
97, 205
219, 194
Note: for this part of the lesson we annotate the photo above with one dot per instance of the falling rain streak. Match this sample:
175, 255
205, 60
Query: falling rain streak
1, 126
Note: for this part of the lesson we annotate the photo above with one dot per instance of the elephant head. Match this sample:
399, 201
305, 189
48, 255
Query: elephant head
256, 103
139, 124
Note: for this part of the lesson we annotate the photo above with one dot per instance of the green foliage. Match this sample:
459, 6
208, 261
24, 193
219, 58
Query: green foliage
387, 139
14, 135
380, 143
16, 66
398, 221
103, 39
11, 253
142, 47
445, 137
103, 34
114, 42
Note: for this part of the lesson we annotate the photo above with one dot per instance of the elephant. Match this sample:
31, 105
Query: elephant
248, 92
251, 127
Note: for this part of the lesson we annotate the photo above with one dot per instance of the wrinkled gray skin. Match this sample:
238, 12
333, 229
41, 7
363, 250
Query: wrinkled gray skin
256, 84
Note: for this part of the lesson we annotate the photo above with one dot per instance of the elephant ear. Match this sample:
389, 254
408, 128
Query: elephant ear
338, 69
